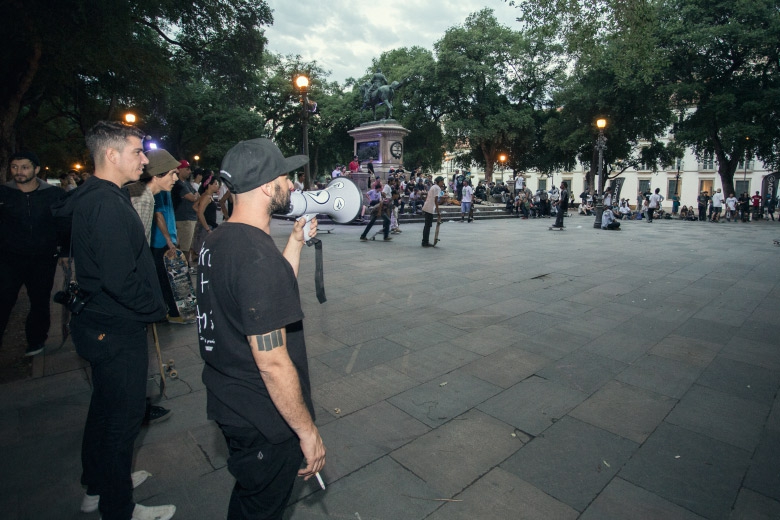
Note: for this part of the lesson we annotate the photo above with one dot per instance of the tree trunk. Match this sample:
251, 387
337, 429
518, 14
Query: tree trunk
12, 105
726, 167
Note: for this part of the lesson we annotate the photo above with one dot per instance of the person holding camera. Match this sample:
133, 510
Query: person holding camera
117, 279
29, 243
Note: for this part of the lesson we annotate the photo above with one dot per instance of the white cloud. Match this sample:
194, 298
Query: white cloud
343, 36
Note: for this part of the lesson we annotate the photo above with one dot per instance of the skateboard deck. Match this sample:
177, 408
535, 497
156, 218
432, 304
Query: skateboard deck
553, 228
436, 235
181, 283
166, 369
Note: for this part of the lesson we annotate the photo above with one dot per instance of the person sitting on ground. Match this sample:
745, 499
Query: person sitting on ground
624, 210
608, 220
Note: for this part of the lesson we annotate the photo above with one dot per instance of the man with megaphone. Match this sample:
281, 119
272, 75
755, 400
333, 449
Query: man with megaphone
250, 332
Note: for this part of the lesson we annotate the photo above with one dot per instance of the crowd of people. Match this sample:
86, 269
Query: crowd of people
112, 228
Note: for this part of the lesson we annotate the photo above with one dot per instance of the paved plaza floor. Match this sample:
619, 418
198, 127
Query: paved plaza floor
511, 372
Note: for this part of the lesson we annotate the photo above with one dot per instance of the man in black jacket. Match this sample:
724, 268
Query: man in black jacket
30, 238
114, 268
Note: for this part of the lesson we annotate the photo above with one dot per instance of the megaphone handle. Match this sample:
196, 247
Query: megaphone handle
307, 228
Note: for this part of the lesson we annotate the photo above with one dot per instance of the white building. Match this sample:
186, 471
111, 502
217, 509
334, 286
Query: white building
694, 177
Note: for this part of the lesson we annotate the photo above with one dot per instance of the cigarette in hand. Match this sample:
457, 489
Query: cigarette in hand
319, 479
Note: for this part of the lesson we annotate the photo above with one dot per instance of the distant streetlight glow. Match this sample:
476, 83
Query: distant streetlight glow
130, 118
302, 82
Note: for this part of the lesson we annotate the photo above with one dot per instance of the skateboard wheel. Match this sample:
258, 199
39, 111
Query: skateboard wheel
173, 374
171, 363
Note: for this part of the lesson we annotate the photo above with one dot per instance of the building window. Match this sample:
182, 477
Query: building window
707, 162
644, 185
672, 188
742, 187
706, 185
543, 184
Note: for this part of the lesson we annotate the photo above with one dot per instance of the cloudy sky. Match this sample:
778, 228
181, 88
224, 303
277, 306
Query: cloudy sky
344, 35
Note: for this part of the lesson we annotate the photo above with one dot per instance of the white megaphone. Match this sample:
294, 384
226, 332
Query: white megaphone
341, 200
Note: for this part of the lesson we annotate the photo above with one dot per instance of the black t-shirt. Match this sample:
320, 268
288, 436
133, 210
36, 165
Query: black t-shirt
246, 288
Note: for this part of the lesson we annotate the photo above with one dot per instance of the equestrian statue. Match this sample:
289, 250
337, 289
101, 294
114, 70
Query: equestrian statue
377, 92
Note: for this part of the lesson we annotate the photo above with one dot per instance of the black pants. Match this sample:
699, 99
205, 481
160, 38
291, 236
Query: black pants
559, 218
427, 228
264, 473
36, 273
165, 284
385, 225
119, 363
702, 212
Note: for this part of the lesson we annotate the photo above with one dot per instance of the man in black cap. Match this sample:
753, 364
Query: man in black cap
250, 331
29, 242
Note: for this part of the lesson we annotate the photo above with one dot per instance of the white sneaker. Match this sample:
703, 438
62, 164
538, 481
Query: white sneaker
153, 512
89, 504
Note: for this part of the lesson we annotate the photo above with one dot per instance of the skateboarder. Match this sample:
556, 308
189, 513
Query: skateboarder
430, 207
383, 208
563, 206
165, 239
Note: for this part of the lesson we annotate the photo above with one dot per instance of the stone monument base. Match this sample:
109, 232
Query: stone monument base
381, 141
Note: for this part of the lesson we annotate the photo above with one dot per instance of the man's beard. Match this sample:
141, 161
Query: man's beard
280, 203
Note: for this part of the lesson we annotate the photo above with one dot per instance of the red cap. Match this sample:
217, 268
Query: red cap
184, 164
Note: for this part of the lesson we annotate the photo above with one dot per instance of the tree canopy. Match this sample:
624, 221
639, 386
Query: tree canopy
200, 75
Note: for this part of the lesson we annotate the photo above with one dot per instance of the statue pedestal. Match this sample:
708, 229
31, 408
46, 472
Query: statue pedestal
382, 141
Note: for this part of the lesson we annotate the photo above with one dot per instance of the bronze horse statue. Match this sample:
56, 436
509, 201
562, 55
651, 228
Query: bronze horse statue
381, 96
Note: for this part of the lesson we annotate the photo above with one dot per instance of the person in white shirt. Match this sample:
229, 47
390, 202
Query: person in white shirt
731, 208
336, 172
466, 200
654, 204
608, 219
430, 207
519, 181
717, 205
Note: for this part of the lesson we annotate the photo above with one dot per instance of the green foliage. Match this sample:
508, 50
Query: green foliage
723, 58
493, 80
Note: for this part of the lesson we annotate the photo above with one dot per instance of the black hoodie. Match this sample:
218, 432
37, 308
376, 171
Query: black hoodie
113, 261
27, 226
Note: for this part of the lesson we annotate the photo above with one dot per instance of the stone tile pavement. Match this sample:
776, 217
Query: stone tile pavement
509, 373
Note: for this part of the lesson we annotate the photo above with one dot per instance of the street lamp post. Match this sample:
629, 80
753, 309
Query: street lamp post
197, 159
302, 82
502, 160
601, 145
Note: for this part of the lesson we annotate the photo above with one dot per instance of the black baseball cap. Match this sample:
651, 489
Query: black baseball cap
250, 164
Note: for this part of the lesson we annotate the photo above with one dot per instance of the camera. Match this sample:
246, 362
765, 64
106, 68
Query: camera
73, 298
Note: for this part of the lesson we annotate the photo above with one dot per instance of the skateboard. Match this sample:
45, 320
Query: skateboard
553, 228
436, 235
181, 283
166, 369
373, 237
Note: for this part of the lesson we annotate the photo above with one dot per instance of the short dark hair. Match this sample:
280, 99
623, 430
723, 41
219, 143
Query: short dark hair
565, 184
30, 156
110, 134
